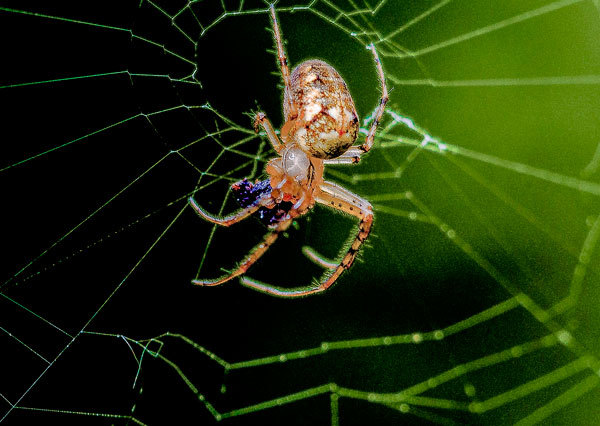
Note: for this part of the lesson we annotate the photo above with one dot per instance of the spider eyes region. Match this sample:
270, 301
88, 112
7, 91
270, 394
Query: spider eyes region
320, 128
296, 163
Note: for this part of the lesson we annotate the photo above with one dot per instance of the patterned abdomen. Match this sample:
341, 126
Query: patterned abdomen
320, 113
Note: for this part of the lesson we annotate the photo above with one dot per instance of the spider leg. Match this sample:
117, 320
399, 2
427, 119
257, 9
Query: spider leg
281, 56
262, 120
365, 147
251, 258
232, 218
338, 198
318, 258
352, 156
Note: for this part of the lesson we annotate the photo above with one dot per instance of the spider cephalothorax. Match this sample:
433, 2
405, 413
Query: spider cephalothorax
321, 126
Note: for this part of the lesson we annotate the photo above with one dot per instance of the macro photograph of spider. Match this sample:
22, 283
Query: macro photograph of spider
321, 126
231, 218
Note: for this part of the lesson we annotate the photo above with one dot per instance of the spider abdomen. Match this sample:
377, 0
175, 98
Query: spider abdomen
320, 113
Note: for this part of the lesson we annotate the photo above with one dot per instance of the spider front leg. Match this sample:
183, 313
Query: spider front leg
338, 198
353, 154
232, 218
283, 63
365, 147
262, 121
281, 56
250, 259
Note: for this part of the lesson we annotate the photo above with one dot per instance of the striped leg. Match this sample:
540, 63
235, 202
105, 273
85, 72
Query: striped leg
250, 259
262, 120
384, 98
338, 198
234, 217
283, 62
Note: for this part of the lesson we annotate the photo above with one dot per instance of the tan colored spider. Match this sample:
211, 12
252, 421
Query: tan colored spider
320, 128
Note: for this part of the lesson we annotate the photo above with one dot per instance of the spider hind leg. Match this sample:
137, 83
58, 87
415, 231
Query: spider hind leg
339, 198
318, 258
255, 254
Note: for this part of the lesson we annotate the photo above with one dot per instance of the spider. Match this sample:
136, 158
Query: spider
321, 126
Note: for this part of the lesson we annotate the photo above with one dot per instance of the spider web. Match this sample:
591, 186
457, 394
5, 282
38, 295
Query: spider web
475, 300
